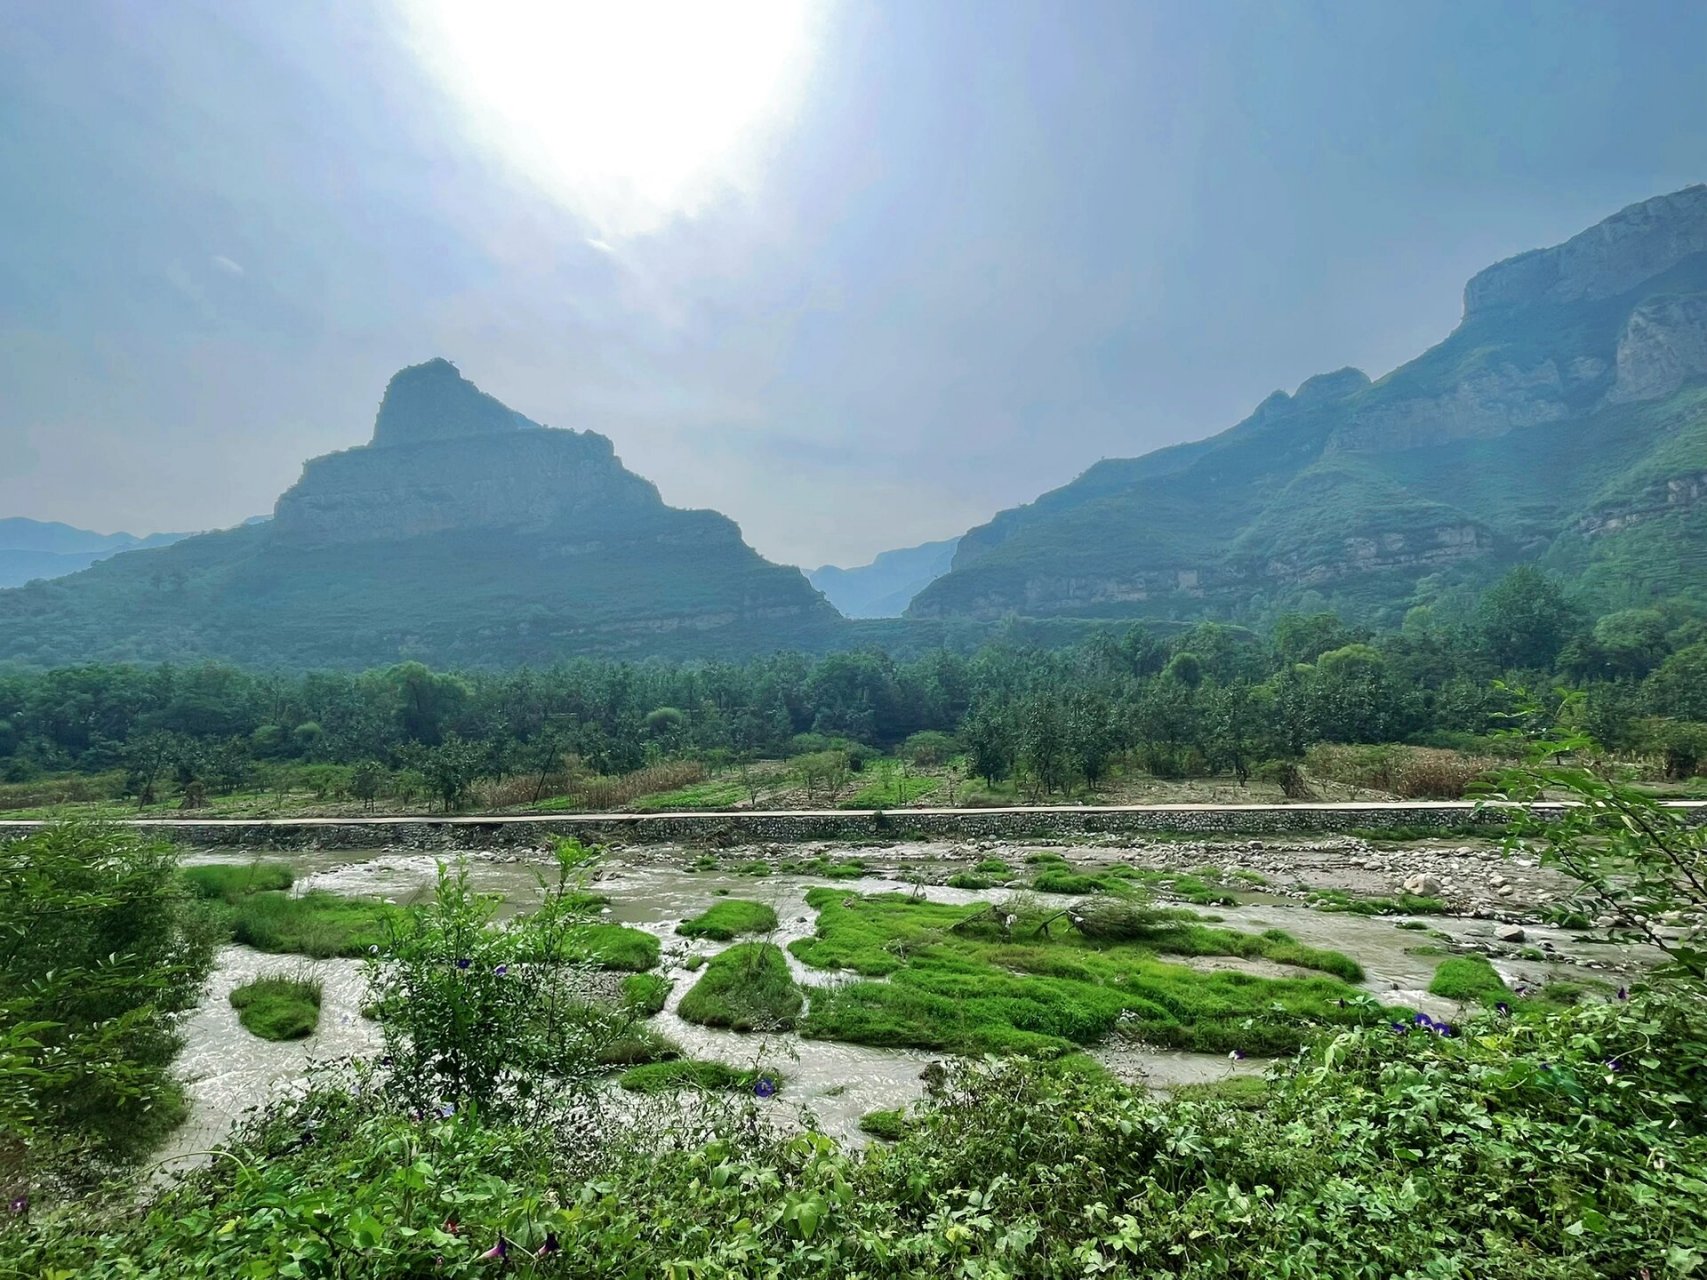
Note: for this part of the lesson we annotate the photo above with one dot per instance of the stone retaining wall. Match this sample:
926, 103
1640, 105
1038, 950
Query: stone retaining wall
858, 826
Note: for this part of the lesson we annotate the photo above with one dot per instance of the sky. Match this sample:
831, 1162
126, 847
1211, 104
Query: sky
858, 275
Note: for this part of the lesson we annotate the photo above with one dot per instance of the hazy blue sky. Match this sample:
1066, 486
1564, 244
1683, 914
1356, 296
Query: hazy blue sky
979, 246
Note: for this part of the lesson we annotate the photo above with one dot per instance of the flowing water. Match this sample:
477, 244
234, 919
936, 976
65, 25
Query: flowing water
228, 1070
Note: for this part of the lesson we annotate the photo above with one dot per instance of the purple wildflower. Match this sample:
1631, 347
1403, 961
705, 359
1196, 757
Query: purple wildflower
20, 1203
1613, 1065
549, 1247
462, 962
1423, 1020
497, 1253
765, 1087
501, 970
1623, 993
1238, 1055
1503, 1008
447, 1110
1401, 1027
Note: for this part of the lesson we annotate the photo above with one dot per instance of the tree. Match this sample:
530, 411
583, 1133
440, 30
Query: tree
100, 949
991, 743
1524, 620
366, 780
451, 770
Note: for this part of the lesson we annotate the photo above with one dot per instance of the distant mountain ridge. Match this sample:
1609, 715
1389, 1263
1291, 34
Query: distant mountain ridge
1564, 421
885, 587
31, 549
462, 534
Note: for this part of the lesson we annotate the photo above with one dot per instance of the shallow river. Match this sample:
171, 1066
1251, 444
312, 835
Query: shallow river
228, 1070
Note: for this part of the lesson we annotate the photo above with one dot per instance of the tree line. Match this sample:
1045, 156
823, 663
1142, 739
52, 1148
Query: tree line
1206, 699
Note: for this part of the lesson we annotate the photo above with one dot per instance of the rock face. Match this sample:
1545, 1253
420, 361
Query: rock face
463, 534
1610, 258
1664, 343
432, 401
1567, 409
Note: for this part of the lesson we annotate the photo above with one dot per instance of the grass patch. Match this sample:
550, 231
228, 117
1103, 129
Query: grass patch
637, 1045
1067, 882
223, 882
993, 867
1248, 1093
889, 1124
693, 964
703, 795
317, 924
615, 946
644, 994
726, 921
278, 1007
757, 867
1405, 904
746, 988
689, 1073
969, 880
966, 980
1468, 978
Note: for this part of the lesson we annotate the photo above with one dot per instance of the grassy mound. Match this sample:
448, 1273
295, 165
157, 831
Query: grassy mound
726, 921
317, 924
746, 988
613, 946
278, 1007
227, 883
1469, 978
1030, 978
889, 1124
687, 1073
644, 994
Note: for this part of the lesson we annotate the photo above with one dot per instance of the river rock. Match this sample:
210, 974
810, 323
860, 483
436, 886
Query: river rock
1510, 933
1422, 885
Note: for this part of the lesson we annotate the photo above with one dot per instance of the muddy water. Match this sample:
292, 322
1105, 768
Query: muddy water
229, 1070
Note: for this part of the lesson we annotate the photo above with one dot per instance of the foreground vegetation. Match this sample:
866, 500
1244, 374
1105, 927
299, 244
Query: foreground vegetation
1567, 1147
1533, 1140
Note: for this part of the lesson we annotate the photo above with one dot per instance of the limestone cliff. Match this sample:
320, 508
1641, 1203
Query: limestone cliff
1569, 404
1610, 258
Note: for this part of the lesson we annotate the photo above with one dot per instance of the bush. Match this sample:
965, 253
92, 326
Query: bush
890, 1125
278, 1007
746, 988
727, 920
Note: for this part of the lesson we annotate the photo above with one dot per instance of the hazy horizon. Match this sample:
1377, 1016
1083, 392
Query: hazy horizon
856, 275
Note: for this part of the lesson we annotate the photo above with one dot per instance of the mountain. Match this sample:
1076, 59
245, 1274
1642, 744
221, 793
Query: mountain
1563, 422
31, 549
462, 534
885, 587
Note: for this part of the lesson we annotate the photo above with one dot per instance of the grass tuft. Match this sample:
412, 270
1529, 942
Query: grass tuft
278, 1007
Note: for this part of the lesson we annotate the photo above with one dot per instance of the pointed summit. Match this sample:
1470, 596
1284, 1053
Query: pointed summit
432, 401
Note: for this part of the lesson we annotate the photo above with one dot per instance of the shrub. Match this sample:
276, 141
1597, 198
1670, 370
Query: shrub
888, 1124
278, 1007
746, 988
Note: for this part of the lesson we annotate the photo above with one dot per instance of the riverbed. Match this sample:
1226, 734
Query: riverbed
227, 1070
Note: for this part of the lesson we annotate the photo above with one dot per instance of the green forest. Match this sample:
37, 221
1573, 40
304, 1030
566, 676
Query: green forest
1122, 709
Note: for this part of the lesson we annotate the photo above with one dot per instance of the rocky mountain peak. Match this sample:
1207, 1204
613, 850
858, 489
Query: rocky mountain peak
1610, 258
433, 401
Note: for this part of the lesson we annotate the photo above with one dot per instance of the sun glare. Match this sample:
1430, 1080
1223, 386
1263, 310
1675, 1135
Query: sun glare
631, 113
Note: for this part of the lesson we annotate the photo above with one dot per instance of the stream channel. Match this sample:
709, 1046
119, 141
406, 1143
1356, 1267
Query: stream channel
228, 1071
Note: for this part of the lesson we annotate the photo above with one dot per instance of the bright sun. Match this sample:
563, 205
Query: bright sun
632, 112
